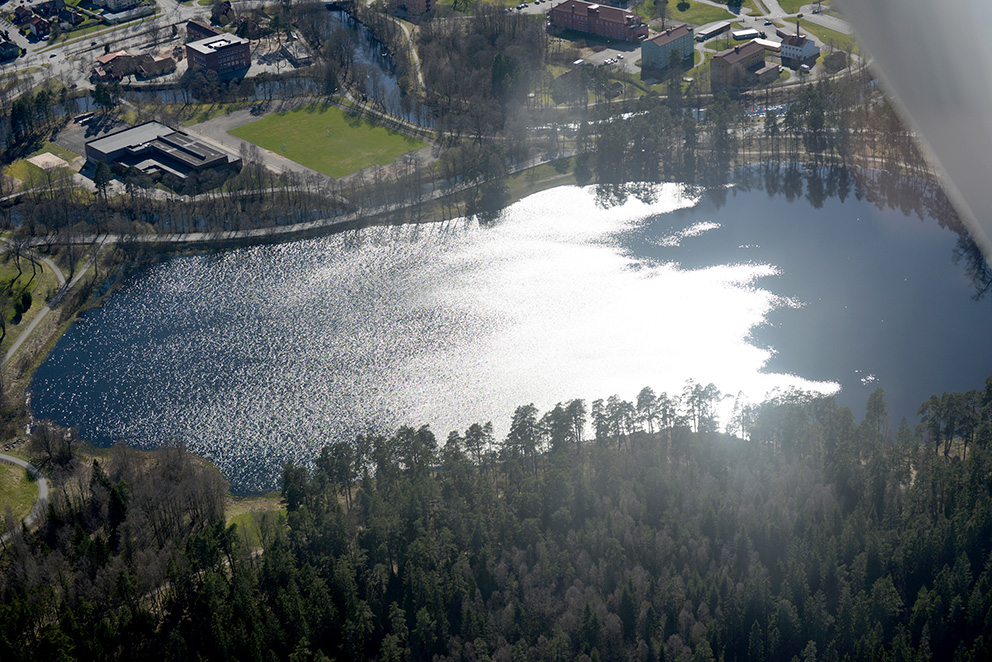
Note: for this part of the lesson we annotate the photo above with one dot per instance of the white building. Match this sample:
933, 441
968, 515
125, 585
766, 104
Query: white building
799, 49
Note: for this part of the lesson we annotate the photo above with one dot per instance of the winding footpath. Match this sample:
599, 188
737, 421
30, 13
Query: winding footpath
39, 503
63, 288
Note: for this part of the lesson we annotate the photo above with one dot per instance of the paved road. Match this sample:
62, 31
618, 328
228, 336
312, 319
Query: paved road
39, 504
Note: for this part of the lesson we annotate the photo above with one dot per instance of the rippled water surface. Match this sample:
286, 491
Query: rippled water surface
260, 355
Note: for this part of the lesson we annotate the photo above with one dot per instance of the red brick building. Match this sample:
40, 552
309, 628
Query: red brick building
222, 53
737, 67
599, 20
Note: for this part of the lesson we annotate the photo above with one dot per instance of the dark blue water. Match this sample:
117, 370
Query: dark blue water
261, 355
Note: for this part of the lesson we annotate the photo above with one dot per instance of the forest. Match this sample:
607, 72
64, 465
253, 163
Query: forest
797, 534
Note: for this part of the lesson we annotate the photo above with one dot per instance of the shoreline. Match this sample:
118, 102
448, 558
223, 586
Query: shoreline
523, 184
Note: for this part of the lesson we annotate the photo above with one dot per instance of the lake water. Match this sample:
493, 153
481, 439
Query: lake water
259, 355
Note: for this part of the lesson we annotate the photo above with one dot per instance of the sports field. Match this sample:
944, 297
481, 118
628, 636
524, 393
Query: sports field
328, 139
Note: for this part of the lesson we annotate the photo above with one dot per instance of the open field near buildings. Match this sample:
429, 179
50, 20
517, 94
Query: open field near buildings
16, 491
697, 13
827, 37
328, 139
195, 113
793, 6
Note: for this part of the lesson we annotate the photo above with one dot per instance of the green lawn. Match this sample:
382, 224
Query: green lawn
696, 14
328, 139
58, 151
16, 491
250, 524
825, 36
792, 6
194, 113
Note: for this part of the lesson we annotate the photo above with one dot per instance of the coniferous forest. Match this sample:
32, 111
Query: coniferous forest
804, 535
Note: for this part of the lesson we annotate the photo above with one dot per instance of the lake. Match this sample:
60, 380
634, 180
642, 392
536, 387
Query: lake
256, 356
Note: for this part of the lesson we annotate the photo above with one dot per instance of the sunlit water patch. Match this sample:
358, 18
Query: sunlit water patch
256, 356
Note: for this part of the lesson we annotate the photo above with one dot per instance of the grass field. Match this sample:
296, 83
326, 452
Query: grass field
827, 36
328, 139
194, 113
792, 6
697, 13
16, 491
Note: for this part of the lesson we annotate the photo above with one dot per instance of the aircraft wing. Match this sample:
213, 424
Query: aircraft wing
929, 54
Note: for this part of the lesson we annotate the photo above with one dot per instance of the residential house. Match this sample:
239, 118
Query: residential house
9, 50
70, 18
599, 20
117, 65
49, 9
656, 51
39, 27
737, 67
22, 15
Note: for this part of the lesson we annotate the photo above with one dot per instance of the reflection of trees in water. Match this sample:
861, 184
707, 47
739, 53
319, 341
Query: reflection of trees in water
976, 266
913, 196
919, 196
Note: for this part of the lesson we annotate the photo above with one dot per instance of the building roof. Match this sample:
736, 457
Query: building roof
108, 57
670, 35
602, 12
732, 56
202, 28
215, 43
129, 137
768, 44
155, 146
795, 40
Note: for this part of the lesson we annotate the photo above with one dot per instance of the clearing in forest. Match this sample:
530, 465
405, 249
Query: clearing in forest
17, 491
328, 139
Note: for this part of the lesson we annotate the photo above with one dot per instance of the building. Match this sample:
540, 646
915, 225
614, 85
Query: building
768, 73
115, 66
49, 9
196, 31
9, 50
297, 51
737, 67
70, 18
22, 15
600, 20
222, 53
159, 151
769, 45
39, 27
742, 35
121, 5
712, 30
798, 49
656, 51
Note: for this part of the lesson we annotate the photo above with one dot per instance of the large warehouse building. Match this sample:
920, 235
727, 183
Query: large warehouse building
159, 151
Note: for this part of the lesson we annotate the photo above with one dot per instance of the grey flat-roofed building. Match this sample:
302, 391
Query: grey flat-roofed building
156, 149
